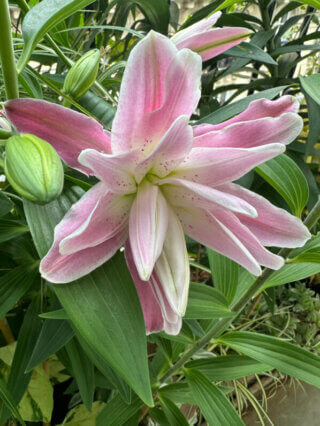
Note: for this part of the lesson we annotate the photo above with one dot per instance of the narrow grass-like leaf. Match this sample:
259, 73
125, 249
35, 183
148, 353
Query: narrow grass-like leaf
59, 314
117, 412
82, 371
172, 412
8, 402
18, 380
41, 18
214, 405
290, 273
285, 177
228, 367
13, 286
10, 229
310, 253
252, 52
284, 356
106, 371
5, 204
225, 274
53, 336
206, 302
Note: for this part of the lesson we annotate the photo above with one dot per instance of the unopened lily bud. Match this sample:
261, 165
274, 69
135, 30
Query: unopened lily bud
82, 74
33, 168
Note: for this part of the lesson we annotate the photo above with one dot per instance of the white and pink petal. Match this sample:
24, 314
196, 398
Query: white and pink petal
273, 226
148, 224
116, 171
69, 132
215, 166
248, 134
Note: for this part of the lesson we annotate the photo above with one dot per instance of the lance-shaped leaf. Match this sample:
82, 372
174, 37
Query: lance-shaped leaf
214, 405
284, 356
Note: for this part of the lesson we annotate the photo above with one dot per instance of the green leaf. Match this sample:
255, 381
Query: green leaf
310, 87
28, 334
214, 405
106, 371
313, 3
59, 314
157, 12
225, 274
206, 302
228, 111
284, 356
116, 412
291, 273
309, 253
99, 107
103, 306
229, 367
9, 402
179, 393
13, 286
53, 336
172, 412
10, 229
41, 19
250, 51
82, 371
80, 416
5, 204
286, 178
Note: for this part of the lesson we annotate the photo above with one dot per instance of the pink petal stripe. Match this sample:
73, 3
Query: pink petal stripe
148, 224
273, 226
213, 42
170, 151
181, 96
202, 226
179, 191
262, 256
214, 166
197, 28
257, 109
142, 87
156, 317
108, 218
115, 170
172, 266
69, 132
58, 268
248, 134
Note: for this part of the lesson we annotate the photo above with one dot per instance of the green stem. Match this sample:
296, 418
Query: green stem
6, 53
223, 323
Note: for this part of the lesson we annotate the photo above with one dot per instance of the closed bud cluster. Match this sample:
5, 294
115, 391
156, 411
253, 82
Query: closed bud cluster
82, 74
33, 168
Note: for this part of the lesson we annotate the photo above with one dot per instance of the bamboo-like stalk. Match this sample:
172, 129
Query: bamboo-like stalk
8, 65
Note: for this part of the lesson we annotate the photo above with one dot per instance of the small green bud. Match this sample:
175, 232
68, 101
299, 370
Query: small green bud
33, 168
82, 74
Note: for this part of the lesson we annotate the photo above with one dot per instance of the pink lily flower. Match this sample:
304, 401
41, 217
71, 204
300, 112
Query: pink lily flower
208, 42
160, 178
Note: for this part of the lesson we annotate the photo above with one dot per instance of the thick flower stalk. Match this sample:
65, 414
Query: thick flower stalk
160, 179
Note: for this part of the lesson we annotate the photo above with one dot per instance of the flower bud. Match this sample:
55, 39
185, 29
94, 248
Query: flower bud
33, 168
82, 74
